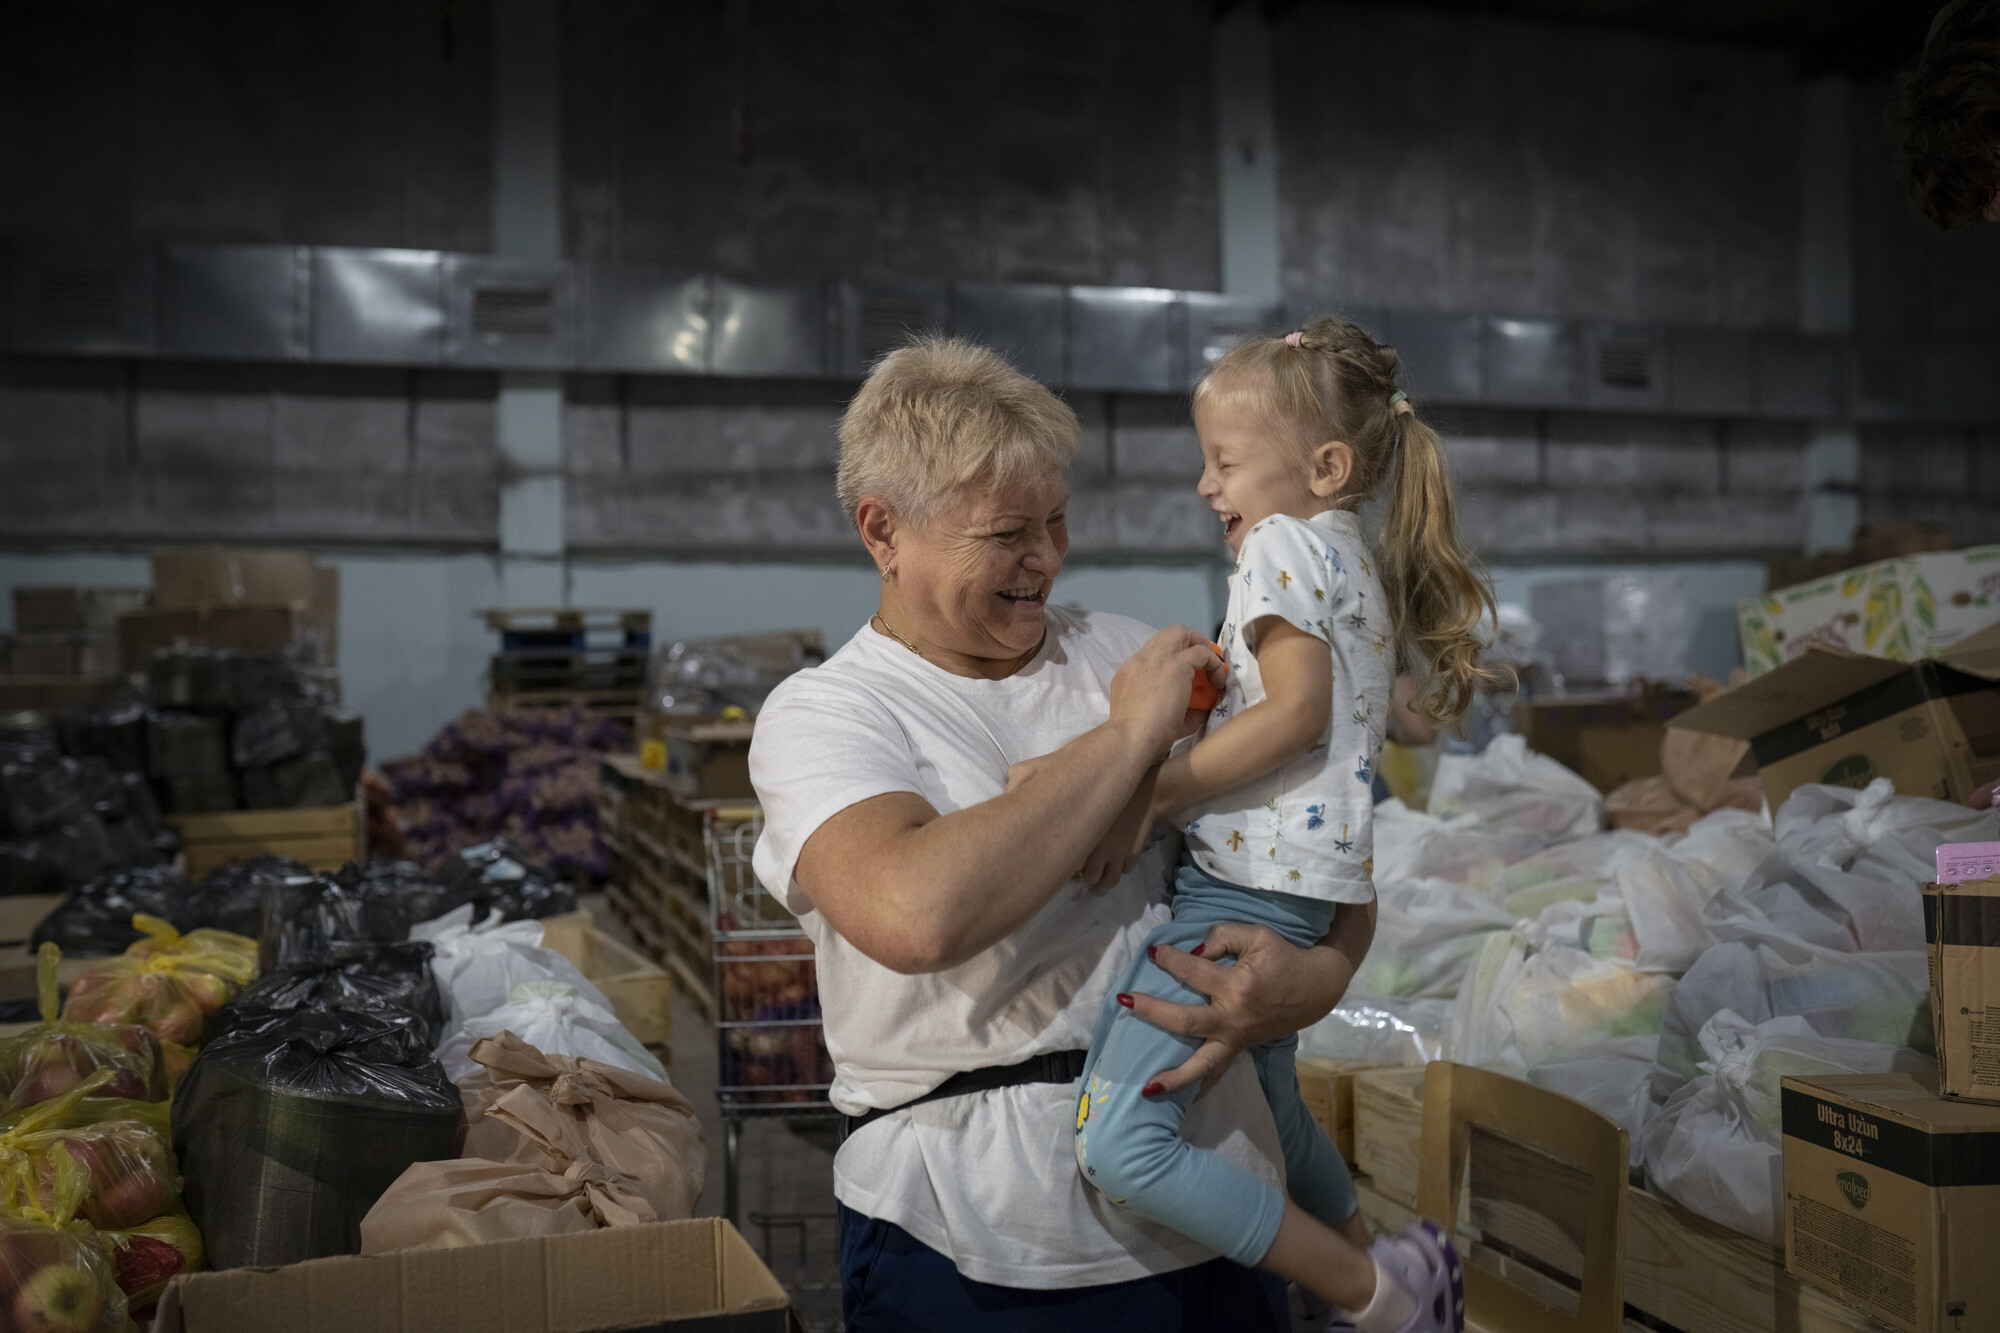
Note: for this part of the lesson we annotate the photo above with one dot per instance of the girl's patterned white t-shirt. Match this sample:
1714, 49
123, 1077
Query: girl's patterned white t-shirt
1306, 828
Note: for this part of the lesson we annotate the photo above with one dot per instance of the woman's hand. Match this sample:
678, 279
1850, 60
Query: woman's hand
1150, 692
1273, 990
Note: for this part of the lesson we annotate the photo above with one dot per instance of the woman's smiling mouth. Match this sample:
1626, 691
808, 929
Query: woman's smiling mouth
1022, 595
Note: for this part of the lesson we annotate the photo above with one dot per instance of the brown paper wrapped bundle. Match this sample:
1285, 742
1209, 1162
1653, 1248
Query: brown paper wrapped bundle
555, 1145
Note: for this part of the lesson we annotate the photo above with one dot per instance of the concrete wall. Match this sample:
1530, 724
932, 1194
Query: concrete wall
1452, 161
359, 122
1021, 140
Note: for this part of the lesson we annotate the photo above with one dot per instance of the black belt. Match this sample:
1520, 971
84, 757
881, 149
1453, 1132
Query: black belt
1048, 1067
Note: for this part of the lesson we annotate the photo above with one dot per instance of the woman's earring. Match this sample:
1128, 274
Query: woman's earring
885, 573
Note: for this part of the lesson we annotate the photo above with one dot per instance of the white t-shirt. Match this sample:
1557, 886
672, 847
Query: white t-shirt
989, 1179
1307, 828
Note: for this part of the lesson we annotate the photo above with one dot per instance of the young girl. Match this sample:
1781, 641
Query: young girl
1276, 798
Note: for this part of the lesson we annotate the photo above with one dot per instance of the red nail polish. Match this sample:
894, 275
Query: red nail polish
1150, 1090
1196, 951
1152, 952
1125, 1000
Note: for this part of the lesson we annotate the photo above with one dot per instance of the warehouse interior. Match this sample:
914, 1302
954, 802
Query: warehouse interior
505, 318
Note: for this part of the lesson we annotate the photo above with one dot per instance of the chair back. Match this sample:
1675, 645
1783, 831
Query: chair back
1542, 1180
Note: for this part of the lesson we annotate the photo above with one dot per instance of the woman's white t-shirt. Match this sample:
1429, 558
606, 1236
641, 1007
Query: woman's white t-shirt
988, 1179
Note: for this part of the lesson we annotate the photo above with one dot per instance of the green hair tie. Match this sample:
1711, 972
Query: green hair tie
1398, 397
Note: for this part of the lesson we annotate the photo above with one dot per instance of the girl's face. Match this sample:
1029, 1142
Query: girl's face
1246, 476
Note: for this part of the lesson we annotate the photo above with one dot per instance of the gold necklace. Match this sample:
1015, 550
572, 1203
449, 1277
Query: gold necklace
886, 629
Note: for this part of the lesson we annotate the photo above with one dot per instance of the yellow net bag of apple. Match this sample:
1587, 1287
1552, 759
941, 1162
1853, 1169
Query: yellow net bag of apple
56, 1271
57, 1280
168, 983
56, 1055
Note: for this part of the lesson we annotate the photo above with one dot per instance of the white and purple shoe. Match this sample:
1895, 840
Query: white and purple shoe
1421, 1259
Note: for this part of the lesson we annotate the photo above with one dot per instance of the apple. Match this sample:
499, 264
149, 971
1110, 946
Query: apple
60, 1298
208, 991
27, 1248
145, 1264
45, 1084
138, 1197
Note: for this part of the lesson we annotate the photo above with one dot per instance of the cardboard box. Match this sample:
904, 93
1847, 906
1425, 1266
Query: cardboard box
1962, 934
143, 633
47, 610
47, 653
1839, 717
1905, 609
324, 837
707, 760
195, 576
1608, 738
1892, 1199
698, 1275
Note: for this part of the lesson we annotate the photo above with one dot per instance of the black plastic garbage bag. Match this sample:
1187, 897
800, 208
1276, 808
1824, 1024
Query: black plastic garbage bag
232, 896
499, 875
307, 920
375, 977
96, 918
290, 1126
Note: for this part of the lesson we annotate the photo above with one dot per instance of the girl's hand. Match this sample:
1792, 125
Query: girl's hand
1274, 990
1125, 841
1150, 691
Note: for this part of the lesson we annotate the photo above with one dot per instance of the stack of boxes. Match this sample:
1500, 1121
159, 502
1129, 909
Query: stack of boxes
69, 632
1892, 1181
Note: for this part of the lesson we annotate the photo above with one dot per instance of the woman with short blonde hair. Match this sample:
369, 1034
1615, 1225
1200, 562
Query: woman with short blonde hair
949, 805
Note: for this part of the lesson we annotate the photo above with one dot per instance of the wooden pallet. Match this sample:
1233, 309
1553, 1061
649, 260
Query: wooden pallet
1681, 1271
324, 837
617, 703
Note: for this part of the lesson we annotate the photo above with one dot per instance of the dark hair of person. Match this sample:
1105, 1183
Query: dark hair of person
1950, 114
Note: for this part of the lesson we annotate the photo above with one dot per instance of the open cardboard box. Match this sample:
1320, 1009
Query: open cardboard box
693, 1275
1836, 716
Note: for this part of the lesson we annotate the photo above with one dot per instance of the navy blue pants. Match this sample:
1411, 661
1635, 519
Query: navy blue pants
890, 1282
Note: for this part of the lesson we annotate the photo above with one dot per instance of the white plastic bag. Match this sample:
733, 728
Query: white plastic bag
478, 966
1508, 783
555, 1019
1732, 843
1609, 1078
1714, 1146
1663, 898
1384, 1029
1871, 851
1875, 997
1426, 932
1580, 870
1526, 1004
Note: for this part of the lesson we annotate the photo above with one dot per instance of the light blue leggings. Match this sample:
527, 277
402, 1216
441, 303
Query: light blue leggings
1130, 1146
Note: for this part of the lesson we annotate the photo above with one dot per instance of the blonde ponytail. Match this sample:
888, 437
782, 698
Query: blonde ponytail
1331, 381
1435, 589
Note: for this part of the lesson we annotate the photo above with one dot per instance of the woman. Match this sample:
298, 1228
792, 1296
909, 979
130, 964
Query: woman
930, 794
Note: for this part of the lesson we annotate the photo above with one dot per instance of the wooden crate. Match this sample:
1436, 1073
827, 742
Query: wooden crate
1327, 1089
22, 912
324, 837
640, 991
1680, 1270
658, 883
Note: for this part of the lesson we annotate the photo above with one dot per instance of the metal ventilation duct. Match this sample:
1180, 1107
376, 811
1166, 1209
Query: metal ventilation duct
425, 308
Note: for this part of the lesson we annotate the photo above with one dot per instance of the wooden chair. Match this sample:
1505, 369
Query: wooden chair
1565, 1215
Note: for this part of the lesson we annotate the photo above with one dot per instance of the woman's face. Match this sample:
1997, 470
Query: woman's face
974, 579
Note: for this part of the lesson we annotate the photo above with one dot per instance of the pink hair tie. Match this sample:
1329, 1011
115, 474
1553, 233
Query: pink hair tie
1296, 338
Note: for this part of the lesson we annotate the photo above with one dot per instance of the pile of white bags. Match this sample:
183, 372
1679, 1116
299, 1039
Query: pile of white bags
497, 977
1668, 982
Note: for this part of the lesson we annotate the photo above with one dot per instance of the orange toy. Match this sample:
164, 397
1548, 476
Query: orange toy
1205, 696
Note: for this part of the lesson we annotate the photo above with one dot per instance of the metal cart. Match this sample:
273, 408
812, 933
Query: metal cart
771, 1059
